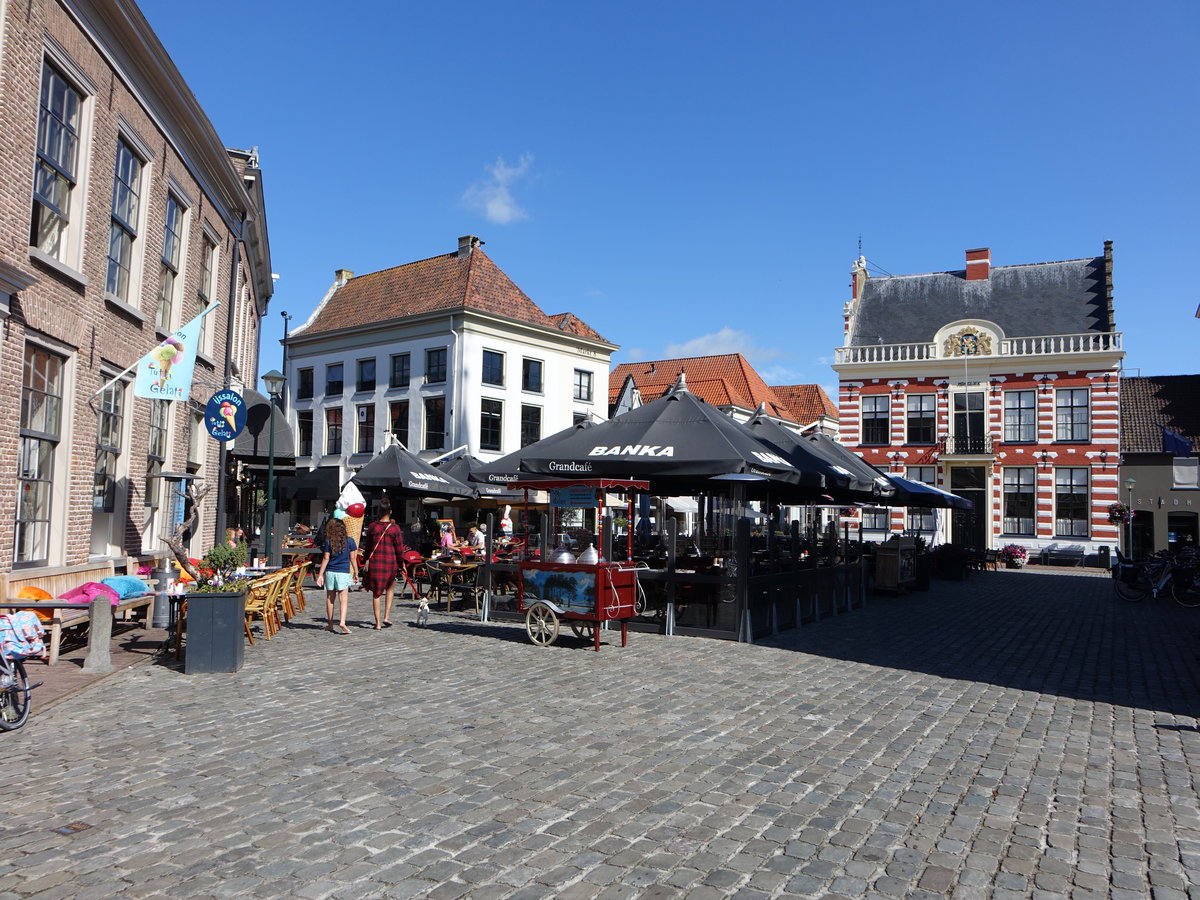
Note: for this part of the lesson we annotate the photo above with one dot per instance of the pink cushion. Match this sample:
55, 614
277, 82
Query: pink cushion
88, 592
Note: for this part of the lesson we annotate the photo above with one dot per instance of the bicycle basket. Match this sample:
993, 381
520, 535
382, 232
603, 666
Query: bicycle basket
1127, 573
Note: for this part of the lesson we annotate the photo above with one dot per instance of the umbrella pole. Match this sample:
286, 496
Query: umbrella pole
629, 530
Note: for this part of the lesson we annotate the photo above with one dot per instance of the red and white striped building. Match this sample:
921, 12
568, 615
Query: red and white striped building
1000, 384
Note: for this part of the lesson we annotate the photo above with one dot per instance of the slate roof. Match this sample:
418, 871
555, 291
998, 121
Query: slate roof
808, 402
725, 380
438, 284
1069, 297
1150, 402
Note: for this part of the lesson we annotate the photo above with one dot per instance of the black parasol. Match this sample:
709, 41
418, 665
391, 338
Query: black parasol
403, 472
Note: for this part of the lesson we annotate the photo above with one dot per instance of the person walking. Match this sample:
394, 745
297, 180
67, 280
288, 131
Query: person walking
339, 566
383, 549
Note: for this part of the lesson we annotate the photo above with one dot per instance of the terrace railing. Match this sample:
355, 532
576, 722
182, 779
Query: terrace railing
1038, 345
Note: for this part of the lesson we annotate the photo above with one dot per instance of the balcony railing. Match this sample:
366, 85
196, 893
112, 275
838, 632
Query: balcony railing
967, 445
1041, 345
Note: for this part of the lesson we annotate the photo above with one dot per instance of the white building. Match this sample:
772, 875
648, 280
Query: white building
443, 353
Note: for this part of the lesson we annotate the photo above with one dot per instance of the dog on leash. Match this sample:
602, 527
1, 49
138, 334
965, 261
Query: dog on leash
423, 612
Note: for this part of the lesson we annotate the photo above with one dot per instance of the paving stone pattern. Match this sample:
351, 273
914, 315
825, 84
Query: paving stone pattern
1019, 734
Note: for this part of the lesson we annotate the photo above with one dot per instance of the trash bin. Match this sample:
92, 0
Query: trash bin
216, 625
1104, 557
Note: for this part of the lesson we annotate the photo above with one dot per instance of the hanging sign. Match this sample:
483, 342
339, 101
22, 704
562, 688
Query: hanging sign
573, 496
225, 415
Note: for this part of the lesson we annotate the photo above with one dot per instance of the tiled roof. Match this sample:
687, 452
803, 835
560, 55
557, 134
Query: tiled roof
1151, 402
1068, 297
440, 283
726, 380
808, 402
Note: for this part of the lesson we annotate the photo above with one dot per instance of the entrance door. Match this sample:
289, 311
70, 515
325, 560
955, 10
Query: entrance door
969, 428
968, 526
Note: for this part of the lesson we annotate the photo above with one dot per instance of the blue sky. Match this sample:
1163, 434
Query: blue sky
694, 178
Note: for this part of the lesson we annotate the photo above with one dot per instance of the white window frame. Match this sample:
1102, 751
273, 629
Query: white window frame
173, 260
1015, 414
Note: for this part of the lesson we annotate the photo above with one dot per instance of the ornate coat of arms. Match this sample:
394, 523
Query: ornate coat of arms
969, 341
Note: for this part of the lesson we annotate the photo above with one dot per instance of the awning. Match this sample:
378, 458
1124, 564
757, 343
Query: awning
253, 445
683, 504
310, 484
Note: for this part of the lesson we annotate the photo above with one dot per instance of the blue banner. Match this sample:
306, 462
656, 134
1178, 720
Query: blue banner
225, 415
165, 373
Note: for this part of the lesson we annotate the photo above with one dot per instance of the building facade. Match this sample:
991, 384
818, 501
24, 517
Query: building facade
1000, 384
123, 218
444, 354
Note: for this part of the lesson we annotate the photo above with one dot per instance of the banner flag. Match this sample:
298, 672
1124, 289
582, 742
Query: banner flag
165, 373
1175, 443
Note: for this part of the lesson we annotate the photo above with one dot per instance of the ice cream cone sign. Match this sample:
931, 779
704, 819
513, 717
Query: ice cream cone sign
225, 415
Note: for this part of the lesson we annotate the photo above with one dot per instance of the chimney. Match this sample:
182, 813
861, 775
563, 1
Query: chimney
979, 263
466, 244
858, 277
341, 276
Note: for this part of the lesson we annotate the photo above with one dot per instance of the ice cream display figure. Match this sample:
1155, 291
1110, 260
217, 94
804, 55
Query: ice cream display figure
167, 354
228, 413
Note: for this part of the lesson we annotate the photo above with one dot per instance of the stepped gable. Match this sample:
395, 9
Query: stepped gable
1147, 403
1068, 297
725, 380
808, 402
441, 283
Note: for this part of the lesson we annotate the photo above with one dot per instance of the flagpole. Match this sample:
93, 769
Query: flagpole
130, 368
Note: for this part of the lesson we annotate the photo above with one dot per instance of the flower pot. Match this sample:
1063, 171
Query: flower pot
1015, 564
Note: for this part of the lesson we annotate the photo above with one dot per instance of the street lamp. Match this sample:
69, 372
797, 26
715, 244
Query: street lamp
274, 381
1129, 483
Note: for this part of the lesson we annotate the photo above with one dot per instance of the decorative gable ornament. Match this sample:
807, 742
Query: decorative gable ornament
969, 341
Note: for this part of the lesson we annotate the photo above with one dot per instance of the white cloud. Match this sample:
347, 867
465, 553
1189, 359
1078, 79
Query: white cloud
493, 195
727, 340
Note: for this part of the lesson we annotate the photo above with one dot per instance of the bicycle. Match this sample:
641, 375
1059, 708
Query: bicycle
1135, 581
19, 640
1185, 577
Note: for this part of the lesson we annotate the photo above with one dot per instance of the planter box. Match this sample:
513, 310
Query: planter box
216, 625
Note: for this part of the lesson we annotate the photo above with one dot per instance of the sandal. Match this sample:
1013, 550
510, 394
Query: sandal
341, 629
387, 624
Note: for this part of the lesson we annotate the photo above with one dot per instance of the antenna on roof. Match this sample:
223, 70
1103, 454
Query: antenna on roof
860, 243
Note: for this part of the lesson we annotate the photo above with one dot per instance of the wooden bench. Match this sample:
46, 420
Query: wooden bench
1067, 556
57, 580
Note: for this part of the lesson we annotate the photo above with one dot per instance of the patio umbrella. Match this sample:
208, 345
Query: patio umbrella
915, 493
400, 471
468, 470
844, 480
863, 472
678, 443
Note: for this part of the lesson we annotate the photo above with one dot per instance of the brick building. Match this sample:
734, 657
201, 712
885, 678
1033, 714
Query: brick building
997, 383
121, 217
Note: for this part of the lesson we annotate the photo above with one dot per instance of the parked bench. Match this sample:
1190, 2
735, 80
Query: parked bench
57, 580
1064, 556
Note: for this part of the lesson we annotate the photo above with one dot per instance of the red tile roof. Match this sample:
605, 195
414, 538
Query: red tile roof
437, 284
808, 402
1148, 403
726, 380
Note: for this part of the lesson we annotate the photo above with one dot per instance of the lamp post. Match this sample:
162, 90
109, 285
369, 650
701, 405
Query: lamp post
1129, 483
274, 381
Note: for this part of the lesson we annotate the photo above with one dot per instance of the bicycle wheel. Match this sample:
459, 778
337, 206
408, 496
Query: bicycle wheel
1185, 589
14, 696
1131, 592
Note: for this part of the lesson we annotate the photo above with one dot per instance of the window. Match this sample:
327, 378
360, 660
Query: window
435, 423
41, 429
126, 198
921, 418
531, 425
304, 387
399, 417
109, 430
366, 429
920, 518
197, 445
876, 519
366, 375
1019, 500
156, 457
491, 414
206, 291
333, 380
1071, 414
333, 430
1071, 502
304, 431
1020, 417
583, 386
435, 365
401, 371
531, 375
493, 368
168, 273
875, 413
55, 173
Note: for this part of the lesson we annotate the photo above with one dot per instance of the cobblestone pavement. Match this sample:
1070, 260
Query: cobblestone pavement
1019, 734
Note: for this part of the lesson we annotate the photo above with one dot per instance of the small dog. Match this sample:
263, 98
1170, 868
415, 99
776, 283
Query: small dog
423, 612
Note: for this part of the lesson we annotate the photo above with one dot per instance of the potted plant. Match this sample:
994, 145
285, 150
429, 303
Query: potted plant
215, 612
1014, 556
1119, 514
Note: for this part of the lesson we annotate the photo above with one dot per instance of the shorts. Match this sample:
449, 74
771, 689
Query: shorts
337, 581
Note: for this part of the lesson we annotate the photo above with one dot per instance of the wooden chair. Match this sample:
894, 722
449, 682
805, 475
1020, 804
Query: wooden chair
262, 599
991, 560
297, 586
284, 600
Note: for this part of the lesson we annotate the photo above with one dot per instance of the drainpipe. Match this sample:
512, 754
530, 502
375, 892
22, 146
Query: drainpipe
219, 525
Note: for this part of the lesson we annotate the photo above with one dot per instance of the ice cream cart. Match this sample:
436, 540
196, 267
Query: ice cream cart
583, 590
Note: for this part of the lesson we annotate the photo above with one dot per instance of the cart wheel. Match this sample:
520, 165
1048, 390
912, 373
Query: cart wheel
541, 624
584, 630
